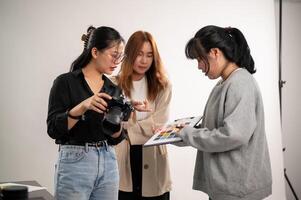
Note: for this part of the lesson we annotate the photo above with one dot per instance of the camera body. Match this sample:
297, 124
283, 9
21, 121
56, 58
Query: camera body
118, 110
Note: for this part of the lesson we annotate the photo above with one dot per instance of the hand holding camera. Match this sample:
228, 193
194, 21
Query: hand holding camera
115, 107
97, 102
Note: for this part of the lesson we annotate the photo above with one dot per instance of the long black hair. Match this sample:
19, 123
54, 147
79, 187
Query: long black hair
229, 40
102, 38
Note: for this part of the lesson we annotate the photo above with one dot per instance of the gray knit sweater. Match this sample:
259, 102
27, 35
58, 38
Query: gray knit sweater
232, 161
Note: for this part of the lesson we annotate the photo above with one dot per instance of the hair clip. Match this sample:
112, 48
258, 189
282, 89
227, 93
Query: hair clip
228, 30
84, 37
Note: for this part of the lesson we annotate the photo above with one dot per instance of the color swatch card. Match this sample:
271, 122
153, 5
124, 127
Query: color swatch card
168, 133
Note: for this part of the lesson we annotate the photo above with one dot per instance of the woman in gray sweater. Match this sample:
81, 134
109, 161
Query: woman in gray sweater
232, 161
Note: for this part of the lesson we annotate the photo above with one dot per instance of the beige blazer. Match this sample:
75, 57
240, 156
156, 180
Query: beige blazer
155, 166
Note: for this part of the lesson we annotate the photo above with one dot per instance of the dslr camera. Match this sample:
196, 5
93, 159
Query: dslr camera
118, 110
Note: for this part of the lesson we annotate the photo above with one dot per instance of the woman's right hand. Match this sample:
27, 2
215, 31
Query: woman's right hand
97, 102
141, 106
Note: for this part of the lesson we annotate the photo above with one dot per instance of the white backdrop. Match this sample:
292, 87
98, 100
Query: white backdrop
39, 39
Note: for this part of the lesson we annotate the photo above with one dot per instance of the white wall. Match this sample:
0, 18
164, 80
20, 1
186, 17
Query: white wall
39, 40
291, 93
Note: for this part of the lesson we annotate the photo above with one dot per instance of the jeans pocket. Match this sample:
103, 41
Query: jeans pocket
71, 155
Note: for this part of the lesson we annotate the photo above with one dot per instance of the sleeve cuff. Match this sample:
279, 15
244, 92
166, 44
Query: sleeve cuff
58, 126
115, 141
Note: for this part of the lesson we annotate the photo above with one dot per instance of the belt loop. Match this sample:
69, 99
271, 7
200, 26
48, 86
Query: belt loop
86, 147
59, 148
106, 145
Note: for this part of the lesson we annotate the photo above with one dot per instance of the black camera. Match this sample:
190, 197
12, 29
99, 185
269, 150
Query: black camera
118, 110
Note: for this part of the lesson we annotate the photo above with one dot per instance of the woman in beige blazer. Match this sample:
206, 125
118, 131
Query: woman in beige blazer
144, 171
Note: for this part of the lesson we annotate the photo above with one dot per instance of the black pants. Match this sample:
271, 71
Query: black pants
136, 169
135, 196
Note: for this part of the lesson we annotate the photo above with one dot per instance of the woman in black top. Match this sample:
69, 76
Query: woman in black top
78, 101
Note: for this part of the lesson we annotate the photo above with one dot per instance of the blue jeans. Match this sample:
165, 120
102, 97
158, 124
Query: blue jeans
86, 173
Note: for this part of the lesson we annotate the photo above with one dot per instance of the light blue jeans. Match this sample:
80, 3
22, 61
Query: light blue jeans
86, 173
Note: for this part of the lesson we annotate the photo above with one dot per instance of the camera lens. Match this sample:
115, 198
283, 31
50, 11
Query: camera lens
112, 120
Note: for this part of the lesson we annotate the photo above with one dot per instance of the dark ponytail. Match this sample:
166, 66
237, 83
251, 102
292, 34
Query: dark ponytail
242, 55
229, 40
101, 38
